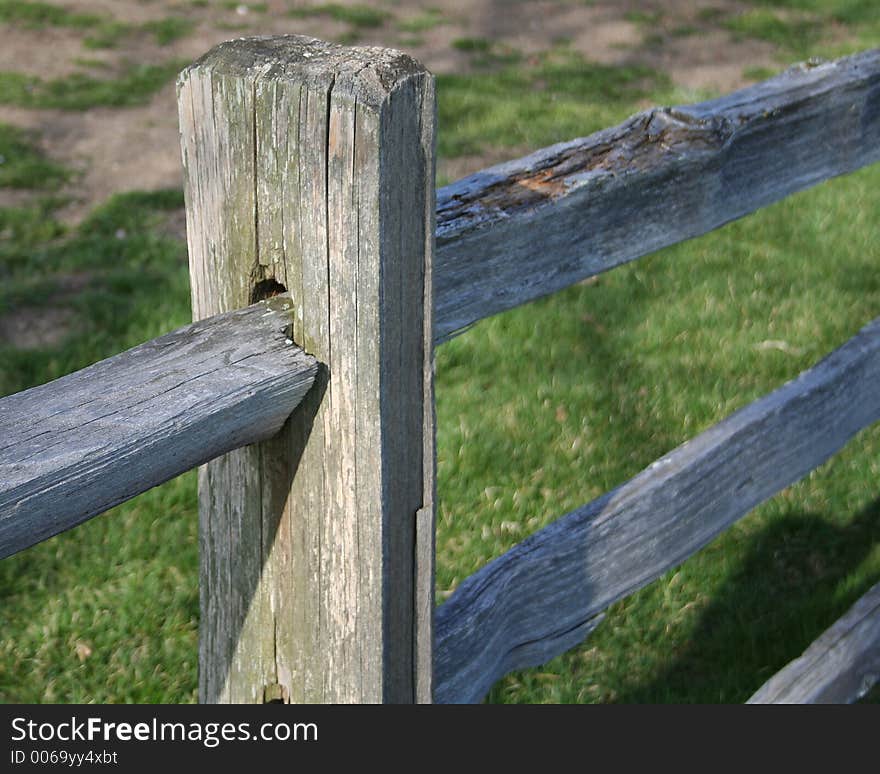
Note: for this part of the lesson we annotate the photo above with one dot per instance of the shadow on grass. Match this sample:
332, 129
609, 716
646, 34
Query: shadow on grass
791, 587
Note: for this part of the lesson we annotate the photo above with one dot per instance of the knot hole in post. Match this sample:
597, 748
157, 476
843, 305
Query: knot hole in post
266, 289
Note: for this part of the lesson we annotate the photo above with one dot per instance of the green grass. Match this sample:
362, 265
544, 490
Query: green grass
473, 45
41, 15
759, 73
93, 63
485, 54
560, 97
80, 628
134, 86
647, 18
422, 22
539, 410
804, 28
103, 31
234, 5
108, 34
850, 12
359, 16
22, 166
795, 35
135, 281
169, 29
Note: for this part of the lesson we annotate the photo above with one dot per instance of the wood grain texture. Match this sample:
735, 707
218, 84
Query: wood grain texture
72, 448
514, 232
542, 597
838, 668
311, 165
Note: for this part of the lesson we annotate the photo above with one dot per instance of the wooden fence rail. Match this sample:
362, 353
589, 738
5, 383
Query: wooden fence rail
74, 447
839, 667
517, 231
309, 171
541, 597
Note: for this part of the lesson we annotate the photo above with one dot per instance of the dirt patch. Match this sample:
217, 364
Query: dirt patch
693, 62
35, 327
114, 150
12, 197
47, 325
46, 53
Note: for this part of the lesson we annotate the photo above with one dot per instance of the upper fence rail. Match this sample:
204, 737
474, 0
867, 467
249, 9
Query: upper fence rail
520, 230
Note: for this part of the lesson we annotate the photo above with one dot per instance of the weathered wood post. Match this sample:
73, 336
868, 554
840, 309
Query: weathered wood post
310, 167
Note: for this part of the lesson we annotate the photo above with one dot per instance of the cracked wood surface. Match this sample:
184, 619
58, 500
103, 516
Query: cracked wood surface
311, 165
514, 232
74, 447
543, 596
838, 668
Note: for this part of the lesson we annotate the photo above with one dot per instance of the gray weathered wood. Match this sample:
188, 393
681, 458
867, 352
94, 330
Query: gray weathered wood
838, 668
541, 597
311, 166
517, 231
74, 447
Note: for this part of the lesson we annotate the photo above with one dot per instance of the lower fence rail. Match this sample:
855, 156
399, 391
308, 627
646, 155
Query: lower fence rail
839, 667
544, 595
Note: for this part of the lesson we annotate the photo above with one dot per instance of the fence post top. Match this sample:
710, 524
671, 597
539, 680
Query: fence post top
371, 72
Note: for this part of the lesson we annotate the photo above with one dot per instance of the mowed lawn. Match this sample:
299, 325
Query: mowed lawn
539, 410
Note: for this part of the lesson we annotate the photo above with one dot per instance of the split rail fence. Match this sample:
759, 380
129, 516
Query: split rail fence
312, 218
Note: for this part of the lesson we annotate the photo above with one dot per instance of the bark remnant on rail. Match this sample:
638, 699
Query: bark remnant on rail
520, 230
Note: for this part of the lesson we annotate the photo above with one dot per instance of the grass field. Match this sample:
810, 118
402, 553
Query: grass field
539, 410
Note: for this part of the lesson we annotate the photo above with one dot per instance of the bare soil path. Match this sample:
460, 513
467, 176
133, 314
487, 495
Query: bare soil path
120, 149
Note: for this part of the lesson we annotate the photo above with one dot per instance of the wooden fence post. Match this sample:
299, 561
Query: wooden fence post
310, 167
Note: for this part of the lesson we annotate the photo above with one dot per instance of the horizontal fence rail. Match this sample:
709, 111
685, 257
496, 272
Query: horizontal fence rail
74, 447
838, 668
529, 227
541, 597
